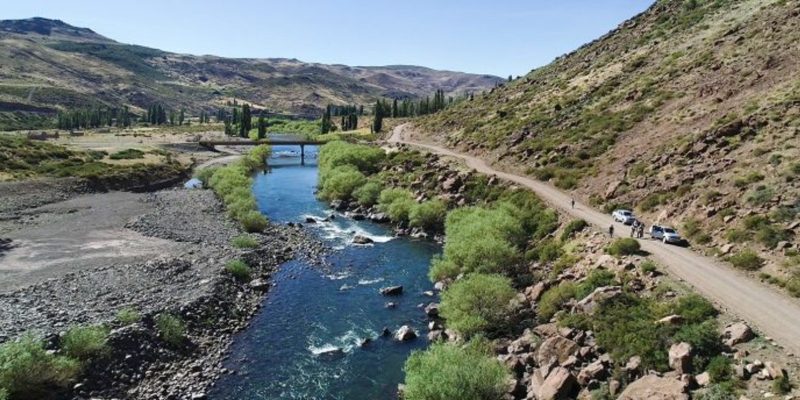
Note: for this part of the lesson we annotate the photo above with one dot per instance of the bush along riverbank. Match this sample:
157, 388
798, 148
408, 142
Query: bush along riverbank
534, 307
155, 329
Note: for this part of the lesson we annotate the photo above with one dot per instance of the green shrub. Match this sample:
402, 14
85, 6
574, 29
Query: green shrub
171, 328
694, 308
253, 221
793, 284
244, 242
28, 371
719, 369
128, 154
547, 250
623, 246
85, 342
770, 236
205, 174
239, 269
396, 203
477, 303
341, 182
367, 195
762, 195
691, 228
365, 159
746, 259
782, 385
428, 215
720, 391
597, 278
479, 240
648, 266
555, 297
447, 371
128, 315
736, 235
572, 228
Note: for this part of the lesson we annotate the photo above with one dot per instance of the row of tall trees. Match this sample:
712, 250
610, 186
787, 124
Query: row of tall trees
94, 117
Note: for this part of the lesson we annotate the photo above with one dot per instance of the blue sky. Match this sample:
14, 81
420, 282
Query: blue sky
499, 37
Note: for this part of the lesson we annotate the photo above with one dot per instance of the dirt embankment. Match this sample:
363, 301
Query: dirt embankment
69, 256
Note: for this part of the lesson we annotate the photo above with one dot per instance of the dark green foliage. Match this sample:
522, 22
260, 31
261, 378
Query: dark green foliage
746, 259
547, 250
239, 269
85, 342
477, 303
623, 247
28, 371
428, 215
572, 228
380, 112
128, 154
171, 328
341, 182
367, 195
233, 184
447, 371
719, 369
597, 278
396, 203
719, 391
554, 298
782, 385
366, 159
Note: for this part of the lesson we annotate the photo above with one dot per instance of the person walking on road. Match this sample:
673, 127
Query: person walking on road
572, 202
611, 230
633, 228
641, 230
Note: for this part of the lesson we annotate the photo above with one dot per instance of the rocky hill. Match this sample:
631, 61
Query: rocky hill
689, 112
47, 64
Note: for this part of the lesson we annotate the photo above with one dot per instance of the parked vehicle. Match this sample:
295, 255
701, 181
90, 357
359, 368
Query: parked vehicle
624, 216
665, 234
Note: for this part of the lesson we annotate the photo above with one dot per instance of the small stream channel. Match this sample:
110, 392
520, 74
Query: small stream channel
286, 353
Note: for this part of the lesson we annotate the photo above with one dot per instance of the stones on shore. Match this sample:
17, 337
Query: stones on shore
259, 284
736, 333
405, 333
432, 310
392, 290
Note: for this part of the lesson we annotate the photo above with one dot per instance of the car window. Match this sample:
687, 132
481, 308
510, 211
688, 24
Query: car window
668, 230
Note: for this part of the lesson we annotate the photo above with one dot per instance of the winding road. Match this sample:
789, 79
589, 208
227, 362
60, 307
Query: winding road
772, 313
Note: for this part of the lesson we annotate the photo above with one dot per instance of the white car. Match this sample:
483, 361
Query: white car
624, 216
665, 234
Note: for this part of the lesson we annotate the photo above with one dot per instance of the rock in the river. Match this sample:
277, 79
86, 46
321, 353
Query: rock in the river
736, 333
432, 310
360, 239
379, 218
392, 291
311, 220
680, 357
653, 387
405, 333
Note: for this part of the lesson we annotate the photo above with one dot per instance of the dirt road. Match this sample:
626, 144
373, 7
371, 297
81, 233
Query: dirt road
774, 314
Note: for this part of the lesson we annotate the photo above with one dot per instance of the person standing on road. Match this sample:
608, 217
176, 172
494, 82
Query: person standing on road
633, 228
611, 230
572, 202
641, 230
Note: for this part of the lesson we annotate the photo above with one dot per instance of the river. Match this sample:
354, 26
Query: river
284, 353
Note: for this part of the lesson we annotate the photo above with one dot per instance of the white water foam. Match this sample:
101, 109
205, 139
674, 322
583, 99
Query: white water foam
346, 233
344, 344
366, 282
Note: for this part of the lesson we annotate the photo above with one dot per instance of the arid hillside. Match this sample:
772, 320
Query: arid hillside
46, 65
689, 113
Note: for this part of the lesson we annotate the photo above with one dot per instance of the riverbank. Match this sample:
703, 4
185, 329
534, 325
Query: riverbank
72, 256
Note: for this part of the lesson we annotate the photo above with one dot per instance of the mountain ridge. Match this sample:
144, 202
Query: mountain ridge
51, 65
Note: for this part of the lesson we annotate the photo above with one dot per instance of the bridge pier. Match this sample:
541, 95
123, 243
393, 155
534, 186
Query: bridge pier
302, 154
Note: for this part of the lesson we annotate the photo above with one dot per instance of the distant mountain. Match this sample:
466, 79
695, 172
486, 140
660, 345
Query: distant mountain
46, 65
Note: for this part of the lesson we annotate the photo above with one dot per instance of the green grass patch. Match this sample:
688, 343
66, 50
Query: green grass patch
239, 269
447, 371
746, 259
244, 242
171, 328
233, 185
128, 315
572, 228
623, 247
127, 154
85, 342
28, 371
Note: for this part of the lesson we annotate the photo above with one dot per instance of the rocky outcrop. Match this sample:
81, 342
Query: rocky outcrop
557, 349
652, 387
736, 333
405, 333
680, 357
392, 290
360, 239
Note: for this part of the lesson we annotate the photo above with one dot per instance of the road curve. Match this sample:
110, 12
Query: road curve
772, 313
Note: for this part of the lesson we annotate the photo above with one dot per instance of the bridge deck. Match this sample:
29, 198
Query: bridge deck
258, 142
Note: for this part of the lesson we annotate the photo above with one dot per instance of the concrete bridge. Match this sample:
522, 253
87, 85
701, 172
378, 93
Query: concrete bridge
272, 142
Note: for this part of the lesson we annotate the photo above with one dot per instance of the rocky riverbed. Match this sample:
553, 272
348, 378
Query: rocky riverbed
181, 272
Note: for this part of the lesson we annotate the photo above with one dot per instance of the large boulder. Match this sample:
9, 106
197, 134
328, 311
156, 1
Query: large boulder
360, 239
652, 387
432, 310
557, 349
392, 291
524, 343
590, 303
680, 357
559, 384
595, 370
405, 333
737, 332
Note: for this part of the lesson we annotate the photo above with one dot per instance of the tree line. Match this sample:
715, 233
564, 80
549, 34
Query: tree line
121, 117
